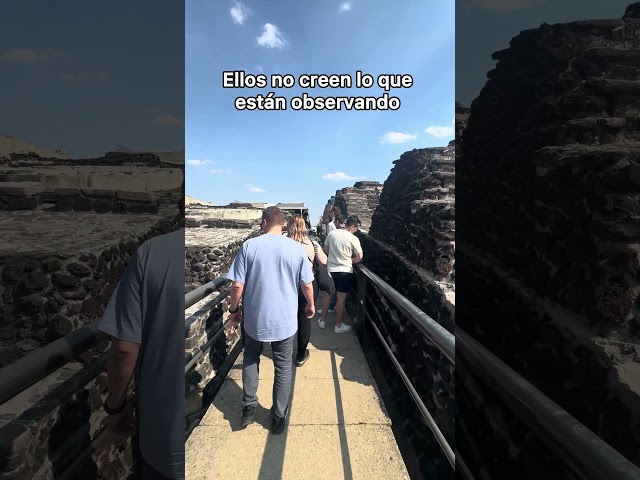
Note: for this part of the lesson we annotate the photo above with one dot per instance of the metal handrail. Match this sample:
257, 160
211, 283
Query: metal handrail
23, 373
440, 337
194, 296
102, 436
588, 456
436, 333
446, 448
216, 301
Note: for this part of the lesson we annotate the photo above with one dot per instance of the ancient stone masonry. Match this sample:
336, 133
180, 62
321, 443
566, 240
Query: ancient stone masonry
105, 201
410, 246
110, 159
64, 249
210, 252
417, 210
549, 188
361, 200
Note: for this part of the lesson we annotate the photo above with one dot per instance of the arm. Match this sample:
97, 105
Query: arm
322, 257
358, 255
237, 289
121, 364
122, 320
307, 291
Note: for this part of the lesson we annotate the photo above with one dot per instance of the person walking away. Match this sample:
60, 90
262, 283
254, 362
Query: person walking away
267, 274
145, 318
329, 301
344, 251
298, 233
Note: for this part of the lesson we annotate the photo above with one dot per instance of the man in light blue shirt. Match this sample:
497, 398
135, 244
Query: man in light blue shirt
269, 270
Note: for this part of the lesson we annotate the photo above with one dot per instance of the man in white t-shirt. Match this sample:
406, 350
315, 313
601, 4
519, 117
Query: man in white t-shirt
343, 252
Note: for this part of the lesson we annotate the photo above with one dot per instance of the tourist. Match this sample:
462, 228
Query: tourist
329, 301
343, 251
298, 233
267, 274
145, 318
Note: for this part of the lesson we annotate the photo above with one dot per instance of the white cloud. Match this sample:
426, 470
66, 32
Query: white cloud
397, 137
255, 189
225, 171
345, 7
340, 176
239, 13
199, 163
271, 37
440, 132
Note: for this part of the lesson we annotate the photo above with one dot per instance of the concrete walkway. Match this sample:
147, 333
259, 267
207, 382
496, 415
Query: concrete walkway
337, 429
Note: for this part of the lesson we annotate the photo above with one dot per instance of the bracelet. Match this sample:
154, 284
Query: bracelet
234, 311
115, 411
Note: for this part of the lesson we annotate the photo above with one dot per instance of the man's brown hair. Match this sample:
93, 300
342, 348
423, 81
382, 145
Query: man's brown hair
273, 216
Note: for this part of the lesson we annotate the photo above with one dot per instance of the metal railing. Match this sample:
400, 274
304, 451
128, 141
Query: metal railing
583, 452
432, 330
587, 455
195, 296
27, 371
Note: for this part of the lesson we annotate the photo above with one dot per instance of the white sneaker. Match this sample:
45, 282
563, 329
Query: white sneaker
342, 329
321, 323
332, 310
319, 310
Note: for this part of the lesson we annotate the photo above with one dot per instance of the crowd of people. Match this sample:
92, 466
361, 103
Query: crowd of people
276, 280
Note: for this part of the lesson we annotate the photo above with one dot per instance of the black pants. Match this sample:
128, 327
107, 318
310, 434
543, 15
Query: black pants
304, 323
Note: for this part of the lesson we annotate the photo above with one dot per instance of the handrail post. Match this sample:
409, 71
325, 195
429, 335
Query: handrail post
361, 296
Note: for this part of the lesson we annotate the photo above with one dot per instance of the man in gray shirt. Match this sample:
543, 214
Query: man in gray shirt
145, 318
269, 270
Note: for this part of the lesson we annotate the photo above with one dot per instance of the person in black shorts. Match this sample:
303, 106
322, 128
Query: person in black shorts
343, 252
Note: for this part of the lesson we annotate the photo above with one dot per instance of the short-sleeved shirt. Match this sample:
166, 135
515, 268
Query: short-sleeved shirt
147, 308
331, 227
271, 267
342, 245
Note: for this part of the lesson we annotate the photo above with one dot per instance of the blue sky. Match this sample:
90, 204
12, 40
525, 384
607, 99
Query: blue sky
86, 76
289, 156
486, 26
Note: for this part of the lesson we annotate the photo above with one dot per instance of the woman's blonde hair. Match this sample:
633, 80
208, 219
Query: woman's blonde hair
297, 229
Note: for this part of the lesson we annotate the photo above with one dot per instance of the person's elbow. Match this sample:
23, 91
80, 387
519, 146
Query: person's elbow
122, 348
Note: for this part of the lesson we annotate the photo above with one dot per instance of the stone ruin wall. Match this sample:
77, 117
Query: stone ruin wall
361, 200
45, 295
410, 246
204, 263
549, 189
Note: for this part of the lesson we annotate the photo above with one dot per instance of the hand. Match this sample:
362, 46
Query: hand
235, 318
310, 310
121, 426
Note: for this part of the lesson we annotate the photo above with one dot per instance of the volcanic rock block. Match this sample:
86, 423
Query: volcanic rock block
549, 193
20, 195
360, 200
417, 210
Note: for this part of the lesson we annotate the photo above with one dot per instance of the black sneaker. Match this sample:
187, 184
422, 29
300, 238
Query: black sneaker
247, 416
300, 363
278, 423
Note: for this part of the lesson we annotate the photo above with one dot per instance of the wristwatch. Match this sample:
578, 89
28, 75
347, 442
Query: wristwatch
117, 410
